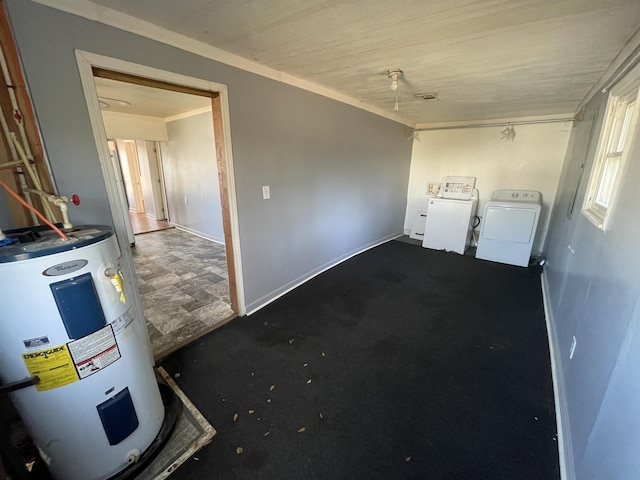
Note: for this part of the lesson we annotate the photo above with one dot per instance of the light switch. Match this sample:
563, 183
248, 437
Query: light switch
266, 192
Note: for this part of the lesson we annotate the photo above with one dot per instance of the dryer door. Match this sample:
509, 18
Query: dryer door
509, 224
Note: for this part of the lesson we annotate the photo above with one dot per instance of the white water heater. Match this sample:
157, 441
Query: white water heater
97, 405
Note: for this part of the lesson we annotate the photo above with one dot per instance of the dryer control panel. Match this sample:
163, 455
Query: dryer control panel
531, 196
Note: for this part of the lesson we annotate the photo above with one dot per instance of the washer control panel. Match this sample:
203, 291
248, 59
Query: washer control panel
458, 188
517, 196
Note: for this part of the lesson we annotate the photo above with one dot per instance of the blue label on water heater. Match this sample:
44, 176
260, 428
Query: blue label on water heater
79, 305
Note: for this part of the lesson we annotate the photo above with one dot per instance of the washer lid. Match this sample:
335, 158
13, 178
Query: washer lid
49, 242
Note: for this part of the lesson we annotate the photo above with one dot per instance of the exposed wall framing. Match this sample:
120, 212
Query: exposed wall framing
11, 173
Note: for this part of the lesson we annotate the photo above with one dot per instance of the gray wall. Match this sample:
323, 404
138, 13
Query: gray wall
190, 171
338, 174
6, 222
594, 295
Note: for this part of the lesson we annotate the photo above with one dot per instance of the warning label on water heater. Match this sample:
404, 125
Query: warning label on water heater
53, 366
94, 352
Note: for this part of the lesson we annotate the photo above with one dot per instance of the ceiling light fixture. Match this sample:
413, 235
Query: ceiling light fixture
394, 75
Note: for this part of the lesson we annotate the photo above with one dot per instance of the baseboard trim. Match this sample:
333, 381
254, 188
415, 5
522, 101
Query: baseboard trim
276, 294
197, 233
565, 449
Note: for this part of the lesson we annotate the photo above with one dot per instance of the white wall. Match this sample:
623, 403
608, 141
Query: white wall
124, 125
533, 161
146, 180
126, 174
191, 176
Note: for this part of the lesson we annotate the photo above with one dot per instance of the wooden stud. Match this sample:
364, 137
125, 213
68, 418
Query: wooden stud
20, 217
221, 158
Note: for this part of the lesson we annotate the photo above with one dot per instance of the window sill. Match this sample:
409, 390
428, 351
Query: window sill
594, 218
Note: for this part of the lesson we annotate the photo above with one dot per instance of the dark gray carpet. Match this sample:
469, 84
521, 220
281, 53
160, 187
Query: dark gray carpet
422, 364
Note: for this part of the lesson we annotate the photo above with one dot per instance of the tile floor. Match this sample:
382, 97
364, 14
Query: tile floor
184, 287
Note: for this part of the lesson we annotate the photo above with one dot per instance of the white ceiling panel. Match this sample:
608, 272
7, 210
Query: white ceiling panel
147, 101
486, 59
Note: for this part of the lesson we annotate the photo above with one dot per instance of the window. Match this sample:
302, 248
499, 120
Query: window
615, 139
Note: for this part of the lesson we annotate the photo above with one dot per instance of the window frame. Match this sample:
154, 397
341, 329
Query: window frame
627, 92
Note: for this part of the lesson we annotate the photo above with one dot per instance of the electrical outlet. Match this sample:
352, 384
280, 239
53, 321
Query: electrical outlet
433, 188
573, 348
266, 192
186, 200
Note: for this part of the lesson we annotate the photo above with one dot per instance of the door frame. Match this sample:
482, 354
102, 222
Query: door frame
133, 162
222, 125
156, 179
121, 187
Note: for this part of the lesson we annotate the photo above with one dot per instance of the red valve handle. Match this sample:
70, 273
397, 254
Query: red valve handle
75, 199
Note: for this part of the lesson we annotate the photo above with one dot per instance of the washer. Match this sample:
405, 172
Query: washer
449, 224
509, 226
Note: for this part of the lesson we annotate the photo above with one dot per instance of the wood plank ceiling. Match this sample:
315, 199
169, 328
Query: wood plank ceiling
486, 59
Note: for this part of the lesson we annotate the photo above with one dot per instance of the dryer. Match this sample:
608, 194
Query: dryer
508, 227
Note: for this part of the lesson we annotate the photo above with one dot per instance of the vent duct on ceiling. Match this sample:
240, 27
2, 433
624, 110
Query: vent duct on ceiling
428, 97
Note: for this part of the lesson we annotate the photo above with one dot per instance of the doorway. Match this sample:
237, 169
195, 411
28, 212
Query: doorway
145, 196
219, 261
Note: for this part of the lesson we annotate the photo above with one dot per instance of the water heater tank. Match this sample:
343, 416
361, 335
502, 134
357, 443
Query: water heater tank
97, 405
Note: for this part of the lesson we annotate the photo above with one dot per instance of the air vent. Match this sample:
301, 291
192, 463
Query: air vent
428, 97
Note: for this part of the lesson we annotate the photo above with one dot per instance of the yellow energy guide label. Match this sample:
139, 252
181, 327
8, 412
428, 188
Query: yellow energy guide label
53, 366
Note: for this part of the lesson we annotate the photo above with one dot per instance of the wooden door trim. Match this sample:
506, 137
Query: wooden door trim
223, 181
150, 82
